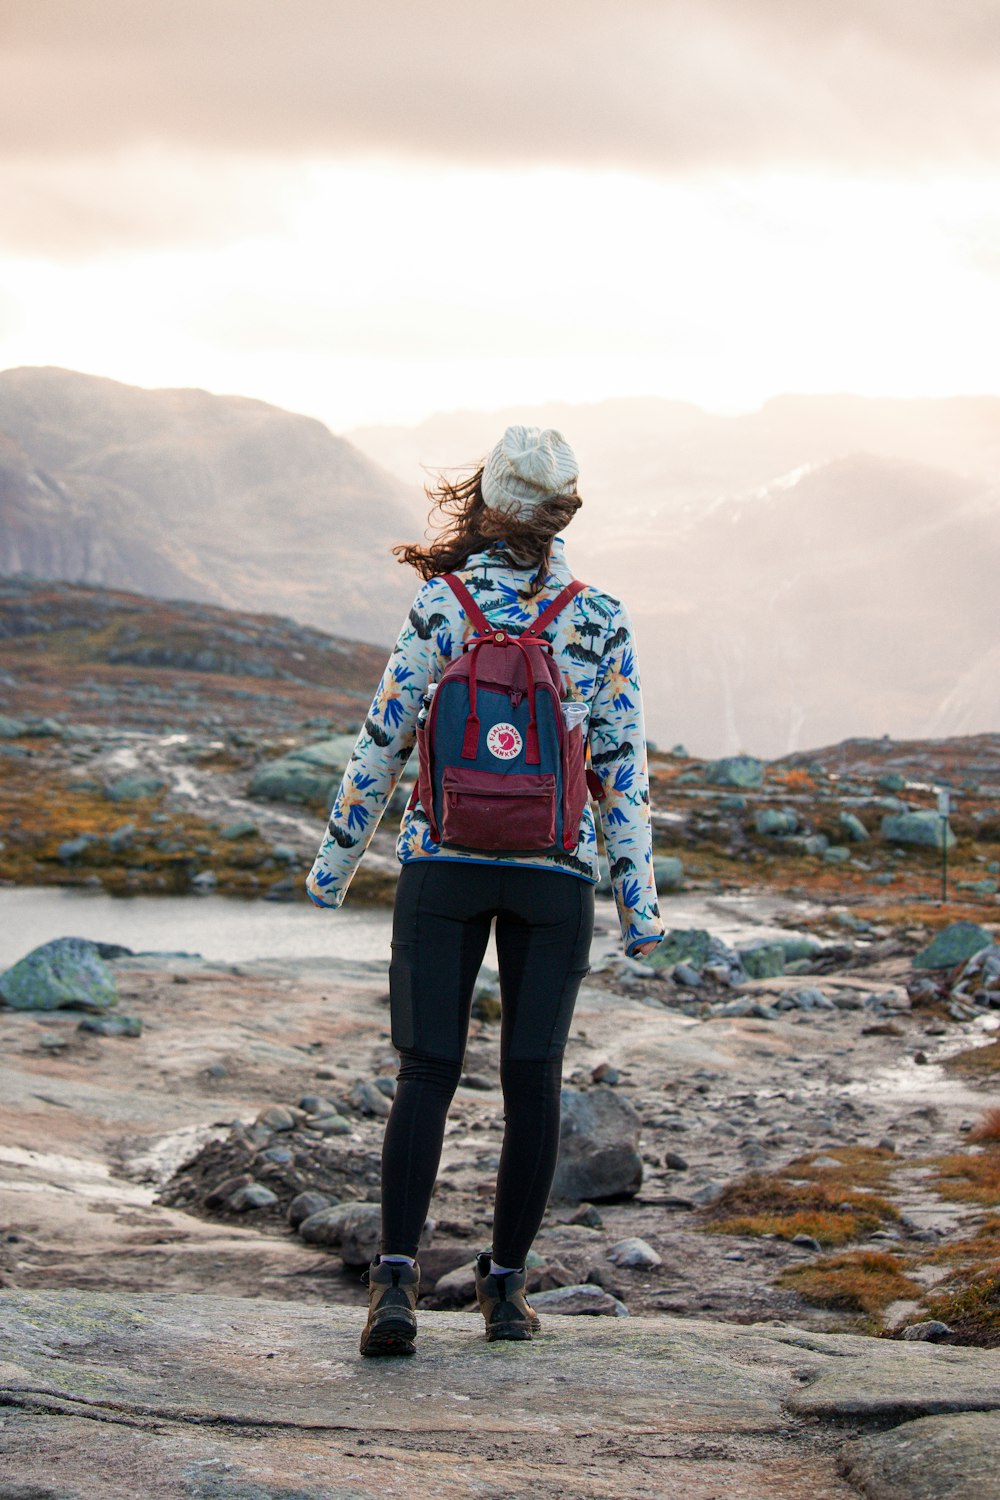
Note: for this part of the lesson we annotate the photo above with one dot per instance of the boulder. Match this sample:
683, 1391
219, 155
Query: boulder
668, 872
735, 770
599, 1147
65, 972
635, 1254
925, 829
762, 959
585, 1299
853, 828
131, 788
699, 950
775, 821
305, 774
953, 945
354, 1230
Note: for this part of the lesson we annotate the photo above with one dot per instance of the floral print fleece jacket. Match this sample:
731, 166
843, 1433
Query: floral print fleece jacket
594, 647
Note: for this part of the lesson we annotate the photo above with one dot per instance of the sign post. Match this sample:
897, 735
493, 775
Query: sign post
944, 808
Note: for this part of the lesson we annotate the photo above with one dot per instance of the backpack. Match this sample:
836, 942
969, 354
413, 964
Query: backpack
499, 769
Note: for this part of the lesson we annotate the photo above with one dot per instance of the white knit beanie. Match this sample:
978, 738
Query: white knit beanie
526, 468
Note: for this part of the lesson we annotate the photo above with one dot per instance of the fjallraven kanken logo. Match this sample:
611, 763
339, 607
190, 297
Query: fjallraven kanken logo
499, 771
504, 742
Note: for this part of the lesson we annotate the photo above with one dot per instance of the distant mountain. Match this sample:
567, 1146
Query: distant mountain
820, 568
182, 494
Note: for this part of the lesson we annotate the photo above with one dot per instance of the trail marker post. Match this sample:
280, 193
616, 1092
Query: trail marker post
944, 808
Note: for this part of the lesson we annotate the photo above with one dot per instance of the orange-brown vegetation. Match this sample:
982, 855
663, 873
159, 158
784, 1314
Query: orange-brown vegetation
970, 1176
831, 1212
864, 1281
971, 1308
978, 1061
987, 1127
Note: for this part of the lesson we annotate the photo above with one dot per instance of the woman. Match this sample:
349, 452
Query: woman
501, 538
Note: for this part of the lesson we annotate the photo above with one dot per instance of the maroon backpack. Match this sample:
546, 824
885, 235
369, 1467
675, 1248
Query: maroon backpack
499, 770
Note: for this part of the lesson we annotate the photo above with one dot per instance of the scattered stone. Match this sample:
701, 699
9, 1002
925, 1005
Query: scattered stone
131, 788
806, 1242
675, 1162
369, 1099
837, 854
386, 1084
304, 1205
73, 849
334, 1124
252, 1195
599, 1147
931, 1330
244, 829
584, 1299
587, 1215
854, 828
121, 838
205, 881
476, 1081
315, 1104
605, 1073
635, 1254
775, 821
223, 1192
276, 1117
112, 1025
684, 974
65, 972
735, 770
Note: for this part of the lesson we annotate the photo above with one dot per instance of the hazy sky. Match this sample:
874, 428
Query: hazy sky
373, 212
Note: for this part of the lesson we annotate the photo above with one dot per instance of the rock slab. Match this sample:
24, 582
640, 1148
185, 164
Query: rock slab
248, 1399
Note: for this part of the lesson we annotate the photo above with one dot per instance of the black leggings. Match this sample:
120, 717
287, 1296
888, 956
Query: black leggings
441, 925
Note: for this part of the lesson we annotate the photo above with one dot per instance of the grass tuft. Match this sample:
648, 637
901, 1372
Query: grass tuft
988, 1127
971, 1309
970, 1177
864, 1281
978, 1061
832, 1212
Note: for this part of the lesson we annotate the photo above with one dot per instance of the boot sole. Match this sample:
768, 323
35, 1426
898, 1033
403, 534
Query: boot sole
390, 1337
509, 1332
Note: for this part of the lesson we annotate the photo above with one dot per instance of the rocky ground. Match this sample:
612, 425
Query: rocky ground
843, 1124
805, 1125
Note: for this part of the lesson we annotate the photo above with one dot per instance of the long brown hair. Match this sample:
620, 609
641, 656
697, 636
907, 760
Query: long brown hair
468, 525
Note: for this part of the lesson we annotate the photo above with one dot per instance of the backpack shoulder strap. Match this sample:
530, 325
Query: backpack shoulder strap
556, 607
465, 599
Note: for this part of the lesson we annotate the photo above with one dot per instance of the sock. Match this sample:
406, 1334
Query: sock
397, 1259
496, 1270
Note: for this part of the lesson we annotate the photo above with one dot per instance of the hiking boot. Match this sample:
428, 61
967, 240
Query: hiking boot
503, 1304
392, 1308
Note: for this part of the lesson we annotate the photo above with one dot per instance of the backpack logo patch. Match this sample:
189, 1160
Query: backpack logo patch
504, 741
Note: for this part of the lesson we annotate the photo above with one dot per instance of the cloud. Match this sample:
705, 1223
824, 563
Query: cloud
660, 85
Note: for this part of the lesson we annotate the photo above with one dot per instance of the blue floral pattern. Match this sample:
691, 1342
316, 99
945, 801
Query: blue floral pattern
594, 645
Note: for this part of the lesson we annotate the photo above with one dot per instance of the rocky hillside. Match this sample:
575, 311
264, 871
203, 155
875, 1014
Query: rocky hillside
182, 494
